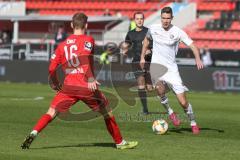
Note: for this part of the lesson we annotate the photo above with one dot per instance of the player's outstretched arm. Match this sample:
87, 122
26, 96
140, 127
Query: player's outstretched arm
144, 50
197, 56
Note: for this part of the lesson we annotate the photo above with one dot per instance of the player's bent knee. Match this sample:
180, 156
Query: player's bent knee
183, 103
160, 91
109, 114
106, 114
52, 112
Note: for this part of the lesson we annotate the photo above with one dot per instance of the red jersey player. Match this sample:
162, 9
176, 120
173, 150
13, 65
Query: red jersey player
74, 55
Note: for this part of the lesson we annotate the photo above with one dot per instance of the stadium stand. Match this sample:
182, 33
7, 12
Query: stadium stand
218, 24
219, 31
91, 8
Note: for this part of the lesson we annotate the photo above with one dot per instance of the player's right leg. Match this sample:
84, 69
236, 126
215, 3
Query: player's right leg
40, 125
60, 103
161, 90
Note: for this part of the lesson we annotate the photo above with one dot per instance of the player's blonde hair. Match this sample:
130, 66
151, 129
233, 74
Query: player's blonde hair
79, 20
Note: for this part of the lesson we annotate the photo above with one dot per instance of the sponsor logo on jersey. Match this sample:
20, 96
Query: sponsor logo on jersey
70, 41
88, 46
171, 36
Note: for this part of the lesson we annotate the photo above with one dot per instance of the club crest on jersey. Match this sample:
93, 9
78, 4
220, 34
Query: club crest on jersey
171, 36
88, 46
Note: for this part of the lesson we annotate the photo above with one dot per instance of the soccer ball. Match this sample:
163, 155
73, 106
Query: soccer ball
160, 126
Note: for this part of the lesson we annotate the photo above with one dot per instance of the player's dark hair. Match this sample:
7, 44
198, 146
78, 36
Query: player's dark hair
135, 13
79, 20
167, 10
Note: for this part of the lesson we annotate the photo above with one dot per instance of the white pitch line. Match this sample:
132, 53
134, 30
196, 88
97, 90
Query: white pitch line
25, 99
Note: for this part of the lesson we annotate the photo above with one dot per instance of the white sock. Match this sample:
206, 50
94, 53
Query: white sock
189, 112
123, 142
170, 111
34, 132
193, 123
164, 102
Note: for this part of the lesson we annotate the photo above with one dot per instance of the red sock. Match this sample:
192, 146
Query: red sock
113, 129
42, 122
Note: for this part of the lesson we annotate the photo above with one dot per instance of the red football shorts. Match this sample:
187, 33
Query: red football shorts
64, 100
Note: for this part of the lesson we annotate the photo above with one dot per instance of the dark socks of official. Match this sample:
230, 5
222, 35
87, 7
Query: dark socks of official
143, 98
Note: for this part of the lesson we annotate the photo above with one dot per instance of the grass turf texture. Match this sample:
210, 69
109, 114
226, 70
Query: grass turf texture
21, 106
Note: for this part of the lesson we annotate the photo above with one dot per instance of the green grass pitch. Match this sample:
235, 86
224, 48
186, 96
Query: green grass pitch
21, 105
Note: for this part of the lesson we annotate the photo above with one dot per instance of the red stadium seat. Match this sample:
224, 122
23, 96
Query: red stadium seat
68, 7
235, 25
215, 6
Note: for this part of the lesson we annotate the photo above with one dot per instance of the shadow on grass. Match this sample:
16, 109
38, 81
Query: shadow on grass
181, 130
163, 113
111, 145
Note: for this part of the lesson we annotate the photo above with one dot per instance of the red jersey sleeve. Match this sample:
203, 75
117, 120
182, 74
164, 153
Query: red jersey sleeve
55, 60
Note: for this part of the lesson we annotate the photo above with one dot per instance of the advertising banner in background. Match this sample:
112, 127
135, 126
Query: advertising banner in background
208, 79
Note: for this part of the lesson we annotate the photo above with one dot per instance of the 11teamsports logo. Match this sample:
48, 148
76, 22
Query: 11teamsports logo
225, 80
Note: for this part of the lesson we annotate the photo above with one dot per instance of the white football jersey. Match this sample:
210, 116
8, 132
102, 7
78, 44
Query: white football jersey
165, 44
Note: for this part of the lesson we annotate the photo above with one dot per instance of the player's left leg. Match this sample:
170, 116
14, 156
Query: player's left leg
114, 131
111, 125
98, 102
161, 91
182, 99
140, 77
142, 93
147, 76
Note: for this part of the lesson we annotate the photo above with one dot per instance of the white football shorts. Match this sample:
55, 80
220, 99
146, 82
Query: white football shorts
173, 81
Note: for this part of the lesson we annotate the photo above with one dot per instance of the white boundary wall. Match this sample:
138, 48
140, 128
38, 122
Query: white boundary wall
12, 8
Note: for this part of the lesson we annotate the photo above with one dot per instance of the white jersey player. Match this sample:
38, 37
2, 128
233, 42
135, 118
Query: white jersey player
166, 38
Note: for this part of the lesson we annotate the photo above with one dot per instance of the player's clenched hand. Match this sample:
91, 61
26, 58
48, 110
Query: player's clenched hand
142, 63
92, 84
124, 48
199, 64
